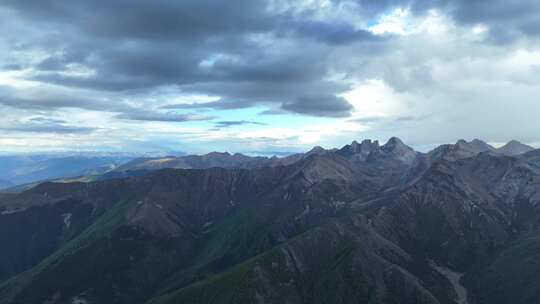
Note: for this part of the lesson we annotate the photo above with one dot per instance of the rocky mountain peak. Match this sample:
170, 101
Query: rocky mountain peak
475, 146
218, 154
369, 150
461, 142
461, 149
478, 141
316, 150
355, 147
514, 147
481, 145
395, 143
401, 151
513, 142
366, 147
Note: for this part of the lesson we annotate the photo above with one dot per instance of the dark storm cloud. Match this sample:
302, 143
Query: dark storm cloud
166, 20
148, 20
381, 119
334, 32
46, 101
231, 123
53, 101
162, 117
237, 51
46, 125
52, 63
47, 120
507, 20
219, 104
242, 51
323, 105
246, 93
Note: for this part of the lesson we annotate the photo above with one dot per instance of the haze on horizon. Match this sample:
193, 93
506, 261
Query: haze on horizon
272, 75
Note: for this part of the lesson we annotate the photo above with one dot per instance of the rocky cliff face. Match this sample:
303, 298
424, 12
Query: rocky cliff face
365, 223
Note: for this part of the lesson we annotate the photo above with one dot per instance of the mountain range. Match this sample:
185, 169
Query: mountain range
26, 169
365, 223
237, 160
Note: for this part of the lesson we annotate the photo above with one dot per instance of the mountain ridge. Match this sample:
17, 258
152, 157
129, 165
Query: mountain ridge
514, 147
373, 223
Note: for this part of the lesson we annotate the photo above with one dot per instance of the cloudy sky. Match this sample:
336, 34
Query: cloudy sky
268, 75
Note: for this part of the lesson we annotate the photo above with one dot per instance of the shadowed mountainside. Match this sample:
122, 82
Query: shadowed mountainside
366, 223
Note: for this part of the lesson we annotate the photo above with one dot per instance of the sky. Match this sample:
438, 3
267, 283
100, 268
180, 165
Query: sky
265, 76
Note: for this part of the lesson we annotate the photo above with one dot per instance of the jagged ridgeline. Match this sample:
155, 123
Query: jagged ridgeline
367, 223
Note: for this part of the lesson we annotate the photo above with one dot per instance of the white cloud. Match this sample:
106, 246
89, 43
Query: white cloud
396, 22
